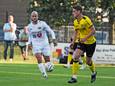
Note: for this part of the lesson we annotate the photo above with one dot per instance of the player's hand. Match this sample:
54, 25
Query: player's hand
54, 42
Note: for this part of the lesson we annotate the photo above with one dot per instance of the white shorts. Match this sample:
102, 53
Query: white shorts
44, 49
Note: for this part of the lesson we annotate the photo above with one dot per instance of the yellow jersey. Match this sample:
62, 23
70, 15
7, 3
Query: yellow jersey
83, 26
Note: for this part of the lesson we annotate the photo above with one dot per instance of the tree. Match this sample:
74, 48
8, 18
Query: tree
109, 5
55, 12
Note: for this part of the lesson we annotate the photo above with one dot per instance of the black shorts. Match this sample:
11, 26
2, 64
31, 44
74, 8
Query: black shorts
23, 49
88, 48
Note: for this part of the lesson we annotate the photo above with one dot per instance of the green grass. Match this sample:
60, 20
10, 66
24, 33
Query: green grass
29, 75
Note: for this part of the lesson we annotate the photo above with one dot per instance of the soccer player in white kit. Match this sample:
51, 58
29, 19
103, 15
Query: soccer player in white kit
39, 39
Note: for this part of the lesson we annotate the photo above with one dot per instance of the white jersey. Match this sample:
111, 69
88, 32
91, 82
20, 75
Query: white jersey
38, 36
38, 33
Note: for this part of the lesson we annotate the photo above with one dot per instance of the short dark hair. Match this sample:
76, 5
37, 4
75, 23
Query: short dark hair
77, 7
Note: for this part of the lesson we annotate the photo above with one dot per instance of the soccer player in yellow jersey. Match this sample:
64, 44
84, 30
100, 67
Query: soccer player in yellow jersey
87, 43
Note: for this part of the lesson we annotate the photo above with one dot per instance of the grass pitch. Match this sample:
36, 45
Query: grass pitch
29, 75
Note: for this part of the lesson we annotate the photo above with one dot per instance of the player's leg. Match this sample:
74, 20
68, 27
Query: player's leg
78, 50
83, 57
75, 66
48, 64
71, 50
41, 65
38, 55
11, 50
69, 59
26, 51
5, 50
47, 57
89, 53
22, 51
92, 68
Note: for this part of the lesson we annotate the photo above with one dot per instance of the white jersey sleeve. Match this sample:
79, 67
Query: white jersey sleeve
49, 30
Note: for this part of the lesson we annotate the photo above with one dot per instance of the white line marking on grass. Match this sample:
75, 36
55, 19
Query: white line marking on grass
61, 75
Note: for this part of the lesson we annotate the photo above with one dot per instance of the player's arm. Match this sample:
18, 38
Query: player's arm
51, 32
74, 37
92, 32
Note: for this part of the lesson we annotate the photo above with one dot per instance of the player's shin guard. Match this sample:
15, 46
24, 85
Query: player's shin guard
92, 66
69, 59
75, 67
94, 73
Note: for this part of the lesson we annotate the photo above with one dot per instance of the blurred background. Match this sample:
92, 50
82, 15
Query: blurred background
57, 13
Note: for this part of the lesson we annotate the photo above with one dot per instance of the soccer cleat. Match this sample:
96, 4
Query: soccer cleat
93, 77
72, 80
45, 75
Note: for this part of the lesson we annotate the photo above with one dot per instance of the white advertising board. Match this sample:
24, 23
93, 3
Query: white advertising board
104, 54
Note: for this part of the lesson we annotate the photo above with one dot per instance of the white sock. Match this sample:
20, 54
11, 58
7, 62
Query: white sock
74, 76
68, 64
42, 68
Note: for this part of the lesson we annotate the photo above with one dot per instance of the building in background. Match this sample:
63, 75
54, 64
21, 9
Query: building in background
18, 8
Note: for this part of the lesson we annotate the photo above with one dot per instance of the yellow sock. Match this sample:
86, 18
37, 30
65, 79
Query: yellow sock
75, 68
83, 59
69, 58
92, 67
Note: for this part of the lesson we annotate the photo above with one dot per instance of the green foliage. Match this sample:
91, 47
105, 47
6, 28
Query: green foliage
58, 12
88, 4
108, 6
55, 12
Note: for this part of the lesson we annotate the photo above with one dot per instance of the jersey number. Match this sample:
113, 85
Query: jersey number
37, 35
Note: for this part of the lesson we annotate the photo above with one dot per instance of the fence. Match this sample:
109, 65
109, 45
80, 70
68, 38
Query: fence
64, 33
103, 34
